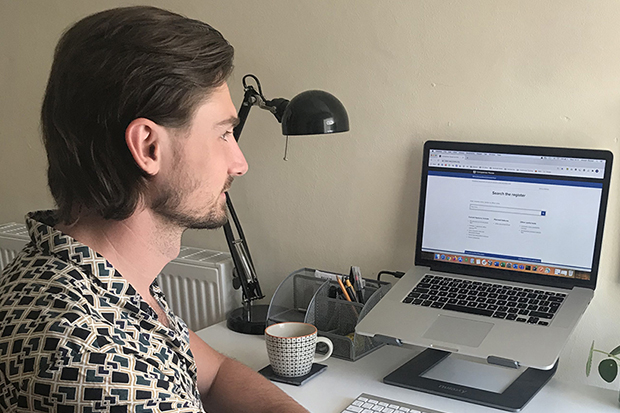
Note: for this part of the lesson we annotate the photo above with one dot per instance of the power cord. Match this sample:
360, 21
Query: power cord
395, 274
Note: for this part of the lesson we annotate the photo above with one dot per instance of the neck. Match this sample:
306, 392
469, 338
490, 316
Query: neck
138, 247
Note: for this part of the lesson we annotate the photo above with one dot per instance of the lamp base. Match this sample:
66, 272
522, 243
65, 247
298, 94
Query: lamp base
248, 322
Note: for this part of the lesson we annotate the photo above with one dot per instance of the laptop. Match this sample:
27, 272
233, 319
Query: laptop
507, 252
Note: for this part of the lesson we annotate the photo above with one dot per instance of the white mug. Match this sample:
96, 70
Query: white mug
291, 348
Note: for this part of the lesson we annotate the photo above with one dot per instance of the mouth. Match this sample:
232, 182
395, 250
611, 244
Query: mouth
228, 184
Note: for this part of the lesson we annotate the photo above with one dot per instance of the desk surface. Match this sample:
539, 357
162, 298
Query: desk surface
343, 381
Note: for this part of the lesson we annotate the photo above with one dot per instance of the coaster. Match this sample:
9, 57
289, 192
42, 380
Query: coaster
295, 381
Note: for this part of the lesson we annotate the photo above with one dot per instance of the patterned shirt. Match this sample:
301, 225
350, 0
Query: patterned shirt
75, 336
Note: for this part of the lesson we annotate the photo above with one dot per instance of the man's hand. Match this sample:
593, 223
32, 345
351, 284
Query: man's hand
226, 385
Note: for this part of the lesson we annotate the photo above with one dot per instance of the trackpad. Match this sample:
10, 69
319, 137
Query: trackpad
458, 331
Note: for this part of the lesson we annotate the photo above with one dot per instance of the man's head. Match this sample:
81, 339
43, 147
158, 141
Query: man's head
110, 69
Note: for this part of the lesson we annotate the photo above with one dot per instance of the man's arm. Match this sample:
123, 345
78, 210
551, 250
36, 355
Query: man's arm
226, 385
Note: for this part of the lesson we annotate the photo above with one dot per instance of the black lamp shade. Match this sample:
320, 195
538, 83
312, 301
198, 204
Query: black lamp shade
314, 112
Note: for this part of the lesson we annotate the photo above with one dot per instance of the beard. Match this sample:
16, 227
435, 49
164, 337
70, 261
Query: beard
168, 201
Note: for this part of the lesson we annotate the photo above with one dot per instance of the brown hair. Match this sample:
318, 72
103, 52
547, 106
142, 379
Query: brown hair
110, 68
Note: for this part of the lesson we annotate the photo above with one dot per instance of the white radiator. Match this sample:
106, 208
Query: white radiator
197, 284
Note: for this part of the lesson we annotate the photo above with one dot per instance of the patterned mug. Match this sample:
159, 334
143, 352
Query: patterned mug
291, 347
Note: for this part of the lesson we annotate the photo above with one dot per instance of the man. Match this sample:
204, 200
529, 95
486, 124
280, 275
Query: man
137, 123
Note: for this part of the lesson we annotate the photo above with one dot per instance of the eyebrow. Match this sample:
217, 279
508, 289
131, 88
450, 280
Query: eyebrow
232, 121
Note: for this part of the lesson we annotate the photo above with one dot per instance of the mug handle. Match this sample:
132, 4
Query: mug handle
330, 345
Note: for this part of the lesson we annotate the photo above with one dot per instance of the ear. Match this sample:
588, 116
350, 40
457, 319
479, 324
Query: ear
144, 140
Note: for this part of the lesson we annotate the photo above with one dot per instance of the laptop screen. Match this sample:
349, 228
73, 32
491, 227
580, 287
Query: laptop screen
524, 212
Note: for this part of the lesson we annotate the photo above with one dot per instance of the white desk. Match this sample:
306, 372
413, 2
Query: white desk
343, 381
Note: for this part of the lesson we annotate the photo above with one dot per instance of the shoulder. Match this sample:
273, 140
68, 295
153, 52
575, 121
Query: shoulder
42, 284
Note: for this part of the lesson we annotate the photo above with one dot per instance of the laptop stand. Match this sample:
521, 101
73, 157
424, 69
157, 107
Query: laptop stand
444, 374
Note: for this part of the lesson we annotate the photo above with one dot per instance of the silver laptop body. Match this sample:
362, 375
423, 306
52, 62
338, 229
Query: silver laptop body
515, 225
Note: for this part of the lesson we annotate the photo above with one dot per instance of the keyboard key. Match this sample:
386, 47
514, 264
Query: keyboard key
499, 314
468, 310
541, 315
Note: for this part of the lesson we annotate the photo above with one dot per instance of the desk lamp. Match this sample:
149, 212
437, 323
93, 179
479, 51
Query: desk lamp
312, 112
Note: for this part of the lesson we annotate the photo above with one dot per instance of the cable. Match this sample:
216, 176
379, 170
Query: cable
395, 274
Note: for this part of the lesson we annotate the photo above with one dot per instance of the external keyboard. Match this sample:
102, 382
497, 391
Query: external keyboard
526, 305
366, 403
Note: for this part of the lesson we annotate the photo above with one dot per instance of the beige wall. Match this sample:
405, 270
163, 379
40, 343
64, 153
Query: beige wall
530, 72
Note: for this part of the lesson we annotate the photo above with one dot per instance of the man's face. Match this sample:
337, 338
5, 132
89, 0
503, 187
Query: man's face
190, 190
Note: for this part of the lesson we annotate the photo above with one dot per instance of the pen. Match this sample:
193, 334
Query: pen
344, 290
357, 278
350, 290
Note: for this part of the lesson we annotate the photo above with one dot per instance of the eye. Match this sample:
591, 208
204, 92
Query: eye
226, 135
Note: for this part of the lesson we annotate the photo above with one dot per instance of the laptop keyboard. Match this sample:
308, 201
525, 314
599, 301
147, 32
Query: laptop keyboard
525, 305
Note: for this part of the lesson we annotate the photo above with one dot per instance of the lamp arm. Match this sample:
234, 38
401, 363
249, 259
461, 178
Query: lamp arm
244, 269
250, 98
242, 260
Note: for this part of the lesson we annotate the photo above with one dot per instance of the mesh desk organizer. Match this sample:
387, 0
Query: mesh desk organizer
304, 298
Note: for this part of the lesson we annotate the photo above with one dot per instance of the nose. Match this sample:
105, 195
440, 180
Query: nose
238, 165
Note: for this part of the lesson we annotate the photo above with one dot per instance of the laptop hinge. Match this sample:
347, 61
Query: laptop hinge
388, 340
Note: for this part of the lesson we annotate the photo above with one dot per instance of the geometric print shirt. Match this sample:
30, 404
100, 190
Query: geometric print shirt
75, 336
